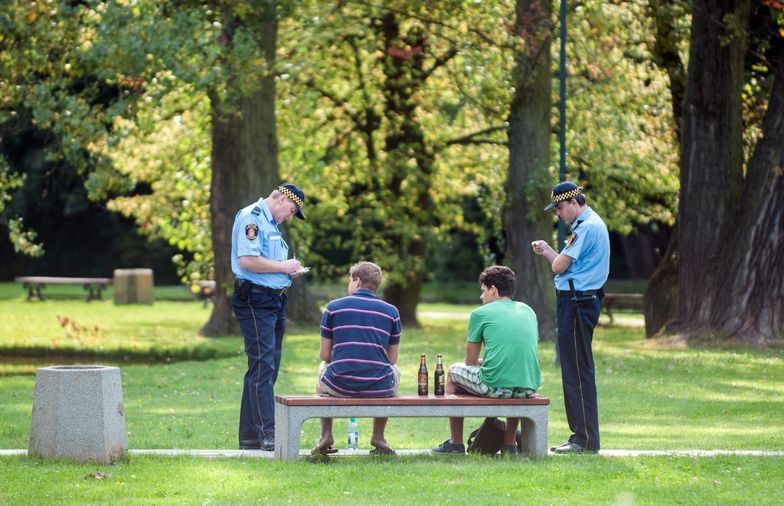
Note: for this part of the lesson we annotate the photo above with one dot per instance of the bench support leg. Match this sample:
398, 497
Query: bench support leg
93, 292
288, 429
534, 431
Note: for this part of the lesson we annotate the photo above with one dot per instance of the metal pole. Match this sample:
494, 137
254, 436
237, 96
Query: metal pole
562, 141
562, 114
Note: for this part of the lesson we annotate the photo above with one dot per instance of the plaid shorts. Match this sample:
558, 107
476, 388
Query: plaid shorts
467, 378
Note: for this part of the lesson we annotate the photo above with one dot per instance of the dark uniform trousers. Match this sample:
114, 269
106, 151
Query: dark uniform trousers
262, 320
577, 368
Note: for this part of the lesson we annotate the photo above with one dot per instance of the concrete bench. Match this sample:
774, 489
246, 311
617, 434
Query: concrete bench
292, 410
36, 284
611, 300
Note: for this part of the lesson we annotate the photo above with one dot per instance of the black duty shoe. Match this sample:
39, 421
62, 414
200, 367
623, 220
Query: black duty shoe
268, 443
570, 447
448, 447
510, 450
250, 445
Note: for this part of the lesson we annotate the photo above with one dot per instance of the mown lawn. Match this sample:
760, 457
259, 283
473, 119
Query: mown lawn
652, 396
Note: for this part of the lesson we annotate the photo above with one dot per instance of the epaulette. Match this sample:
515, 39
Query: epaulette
256, 210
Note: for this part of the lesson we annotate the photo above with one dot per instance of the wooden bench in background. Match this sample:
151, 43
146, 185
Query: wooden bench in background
292, 410
36, 284
616, 300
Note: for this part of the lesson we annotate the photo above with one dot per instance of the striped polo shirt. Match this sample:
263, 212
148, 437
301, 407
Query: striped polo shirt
361, 327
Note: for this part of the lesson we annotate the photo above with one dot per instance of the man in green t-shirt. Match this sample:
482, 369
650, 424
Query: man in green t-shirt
510, 365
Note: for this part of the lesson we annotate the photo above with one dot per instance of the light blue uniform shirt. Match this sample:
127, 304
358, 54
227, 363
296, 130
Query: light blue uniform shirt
255, 233
590, 254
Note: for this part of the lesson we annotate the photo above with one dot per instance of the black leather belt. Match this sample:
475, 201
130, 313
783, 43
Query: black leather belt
580, 293
265, 290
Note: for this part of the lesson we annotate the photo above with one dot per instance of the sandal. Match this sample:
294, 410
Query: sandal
324, 451
377, 450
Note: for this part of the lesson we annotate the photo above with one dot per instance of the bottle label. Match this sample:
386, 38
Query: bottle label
422, 384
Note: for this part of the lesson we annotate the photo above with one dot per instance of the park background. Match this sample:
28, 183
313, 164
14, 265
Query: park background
427, 139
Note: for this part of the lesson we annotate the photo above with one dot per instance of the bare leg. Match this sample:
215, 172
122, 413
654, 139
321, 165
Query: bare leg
456, 430
511, 431
326, 436
377, 440
455, 424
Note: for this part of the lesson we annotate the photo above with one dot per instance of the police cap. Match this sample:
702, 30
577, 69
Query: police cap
563, 191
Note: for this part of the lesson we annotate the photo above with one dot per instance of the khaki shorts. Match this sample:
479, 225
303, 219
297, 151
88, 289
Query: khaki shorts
467, 378
324, 389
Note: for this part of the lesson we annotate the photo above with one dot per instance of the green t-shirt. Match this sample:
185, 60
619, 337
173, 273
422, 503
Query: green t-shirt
510, 334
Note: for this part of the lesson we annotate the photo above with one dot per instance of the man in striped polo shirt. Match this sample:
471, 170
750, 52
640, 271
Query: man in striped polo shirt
360, 341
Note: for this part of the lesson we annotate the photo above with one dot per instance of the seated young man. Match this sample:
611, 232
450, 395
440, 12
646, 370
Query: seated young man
360, 341
510, 366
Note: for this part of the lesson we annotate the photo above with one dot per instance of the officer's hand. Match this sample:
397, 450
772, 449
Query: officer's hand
540, 247
291, 266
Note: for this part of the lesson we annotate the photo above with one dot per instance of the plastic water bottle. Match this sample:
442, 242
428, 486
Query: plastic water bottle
353, 434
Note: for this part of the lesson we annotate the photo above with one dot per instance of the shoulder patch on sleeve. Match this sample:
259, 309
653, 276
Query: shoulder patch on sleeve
571, 240
251, 231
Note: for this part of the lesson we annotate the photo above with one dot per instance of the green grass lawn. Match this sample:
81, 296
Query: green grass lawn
651, 396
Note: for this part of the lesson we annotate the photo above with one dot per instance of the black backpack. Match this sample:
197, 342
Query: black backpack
489, 437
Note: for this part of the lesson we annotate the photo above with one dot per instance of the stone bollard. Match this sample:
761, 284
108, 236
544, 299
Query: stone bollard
78, 413
133, 286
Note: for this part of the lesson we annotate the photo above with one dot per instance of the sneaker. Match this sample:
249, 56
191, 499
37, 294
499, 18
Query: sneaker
570, 447
268, 443
448, 447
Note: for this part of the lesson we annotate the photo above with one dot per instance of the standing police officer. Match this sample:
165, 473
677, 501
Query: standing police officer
262, 272
581, 270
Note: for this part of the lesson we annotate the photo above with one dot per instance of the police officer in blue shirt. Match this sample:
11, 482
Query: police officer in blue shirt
262, 272
581, 270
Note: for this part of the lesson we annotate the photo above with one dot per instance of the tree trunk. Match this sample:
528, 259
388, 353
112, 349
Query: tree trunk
750, 305
405, 296
404, 75
661, 294
244, 168
711, 152
665, 15
527, 183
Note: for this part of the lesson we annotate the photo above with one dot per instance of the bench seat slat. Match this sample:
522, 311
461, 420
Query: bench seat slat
407, 400
54, 280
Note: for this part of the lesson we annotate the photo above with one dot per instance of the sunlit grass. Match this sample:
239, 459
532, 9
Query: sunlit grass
425, 480
651, 395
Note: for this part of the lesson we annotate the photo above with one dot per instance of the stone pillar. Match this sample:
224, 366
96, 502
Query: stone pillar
78, 413
133, 286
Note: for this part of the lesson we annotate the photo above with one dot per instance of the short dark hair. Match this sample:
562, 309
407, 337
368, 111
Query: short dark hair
501, 277
369, 273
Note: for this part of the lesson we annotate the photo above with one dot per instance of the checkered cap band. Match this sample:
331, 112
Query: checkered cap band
290, 194
560, 197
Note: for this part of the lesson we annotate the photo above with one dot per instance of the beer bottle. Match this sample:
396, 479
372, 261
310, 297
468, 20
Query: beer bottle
439, 376
422, 376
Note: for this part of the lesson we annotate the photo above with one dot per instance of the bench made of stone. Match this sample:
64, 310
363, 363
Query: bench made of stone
611, 300
292, 410
36, 284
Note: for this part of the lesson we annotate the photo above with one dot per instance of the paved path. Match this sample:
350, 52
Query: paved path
357, 453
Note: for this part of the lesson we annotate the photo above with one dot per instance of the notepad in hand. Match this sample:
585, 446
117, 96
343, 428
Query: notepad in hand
300, 272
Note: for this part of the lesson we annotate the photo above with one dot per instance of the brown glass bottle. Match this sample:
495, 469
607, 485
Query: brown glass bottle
438, 376
422, 376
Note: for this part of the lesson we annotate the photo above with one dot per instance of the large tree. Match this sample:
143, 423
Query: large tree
729, 264
100, 63
528, 179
